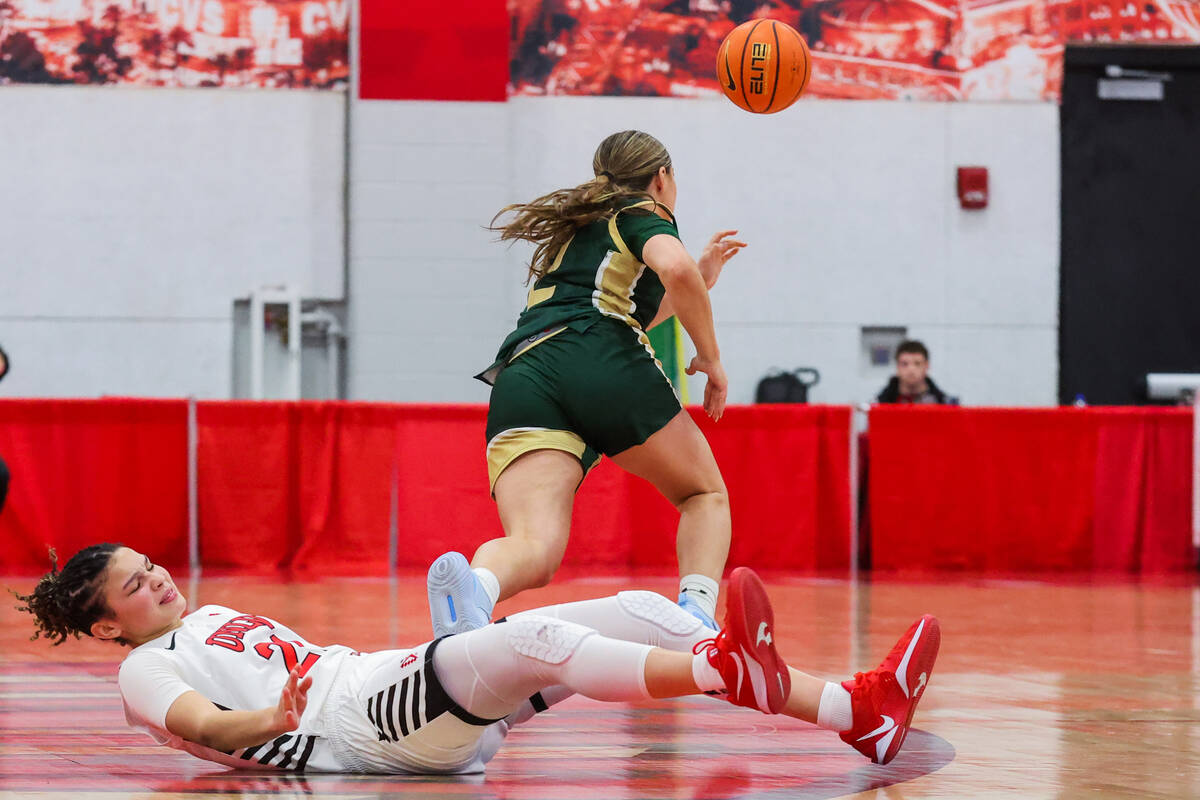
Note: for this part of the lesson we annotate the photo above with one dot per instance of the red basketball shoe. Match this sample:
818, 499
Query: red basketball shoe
744, 651
884, 699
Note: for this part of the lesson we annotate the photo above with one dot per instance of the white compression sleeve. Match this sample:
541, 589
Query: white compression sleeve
491, 672
636, 616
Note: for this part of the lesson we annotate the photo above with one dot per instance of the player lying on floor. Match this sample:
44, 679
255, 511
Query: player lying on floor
247, 691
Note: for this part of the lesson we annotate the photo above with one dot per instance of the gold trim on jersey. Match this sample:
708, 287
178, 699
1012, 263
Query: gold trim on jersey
645, 342
616, 280
507, 446
618, 274
535, 340
540, 295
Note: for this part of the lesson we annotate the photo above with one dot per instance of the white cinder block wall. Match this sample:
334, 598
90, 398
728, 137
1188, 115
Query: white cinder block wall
430, 295
849, 208
132, 218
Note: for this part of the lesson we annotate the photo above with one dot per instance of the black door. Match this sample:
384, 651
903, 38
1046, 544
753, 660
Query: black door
1129, 295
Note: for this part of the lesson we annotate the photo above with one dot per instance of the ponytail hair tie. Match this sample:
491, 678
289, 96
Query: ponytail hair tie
611, 178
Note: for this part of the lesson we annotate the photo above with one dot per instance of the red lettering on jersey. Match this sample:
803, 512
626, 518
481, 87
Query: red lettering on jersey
230, 634
408, 659
290, 657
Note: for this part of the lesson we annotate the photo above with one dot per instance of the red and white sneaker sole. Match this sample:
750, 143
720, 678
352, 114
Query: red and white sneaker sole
912, 674
750, 621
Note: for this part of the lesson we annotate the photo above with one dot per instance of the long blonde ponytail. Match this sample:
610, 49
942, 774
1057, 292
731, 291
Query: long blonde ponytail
624, 165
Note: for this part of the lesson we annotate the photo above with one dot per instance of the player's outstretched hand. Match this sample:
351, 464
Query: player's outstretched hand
715, 389
720, 248
292, 701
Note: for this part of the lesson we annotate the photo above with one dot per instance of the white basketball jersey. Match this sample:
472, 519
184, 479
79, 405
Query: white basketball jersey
239, 662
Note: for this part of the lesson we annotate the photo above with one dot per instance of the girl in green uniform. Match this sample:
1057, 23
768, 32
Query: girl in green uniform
578, 378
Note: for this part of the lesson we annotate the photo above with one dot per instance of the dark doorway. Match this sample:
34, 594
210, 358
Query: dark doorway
1129, 294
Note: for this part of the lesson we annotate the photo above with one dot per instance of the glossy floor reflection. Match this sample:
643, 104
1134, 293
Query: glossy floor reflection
1079, 688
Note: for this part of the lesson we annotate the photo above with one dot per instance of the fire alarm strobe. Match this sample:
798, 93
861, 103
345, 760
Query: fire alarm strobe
973, 187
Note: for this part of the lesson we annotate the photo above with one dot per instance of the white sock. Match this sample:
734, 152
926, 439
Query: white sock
489, 582
705, 674
703, 590
835, 712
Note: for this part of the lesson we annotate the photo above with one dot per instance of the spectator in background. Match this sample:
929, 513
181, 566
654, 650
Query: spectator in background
911, 383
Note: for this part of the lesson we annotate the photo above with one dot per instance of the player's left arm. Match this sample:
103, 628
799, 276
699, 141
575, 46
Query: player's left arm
194, 717
717, 252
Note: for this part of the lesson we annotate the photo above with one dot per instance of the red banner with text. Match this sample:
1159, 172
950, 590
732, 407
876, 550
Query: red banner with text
893, 49
237, 43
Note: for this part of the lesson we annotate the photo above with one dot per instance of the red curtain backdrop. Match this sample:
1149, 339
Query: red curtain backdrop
442, 483
1031, 489
786, 468
304, 487
433, 50
312, 488
89, 471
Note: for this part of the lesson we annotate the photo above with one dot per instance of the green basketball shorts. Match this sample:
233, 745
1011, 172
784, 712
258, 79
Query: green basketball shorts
585, 391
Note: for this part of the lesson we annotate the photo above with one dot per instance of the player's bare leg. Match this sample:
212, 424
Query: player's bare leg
534, 496
678, 461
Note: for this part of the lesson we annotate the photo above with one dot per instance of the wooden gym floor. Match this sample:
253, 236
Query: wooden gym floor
1084, 687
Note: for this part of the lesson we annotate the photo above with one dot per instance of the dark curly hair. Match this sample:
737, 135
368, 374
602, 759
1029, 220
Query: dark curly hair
68, 602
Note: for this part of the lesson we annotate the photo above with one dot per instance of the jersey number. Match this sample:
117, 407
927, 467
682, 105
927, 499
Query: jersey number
290, 657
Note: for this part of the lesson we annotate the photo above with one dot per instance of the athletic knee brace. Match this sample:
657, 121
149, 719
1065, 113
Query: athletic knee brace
657, 610
549, 640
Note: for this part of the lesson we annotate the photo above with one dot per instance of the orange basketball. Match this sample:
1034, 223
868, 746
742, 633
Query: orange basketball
763, 65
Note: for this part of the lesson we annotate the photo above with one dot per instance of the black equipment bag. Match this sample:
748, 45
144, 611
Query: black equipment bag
786, 387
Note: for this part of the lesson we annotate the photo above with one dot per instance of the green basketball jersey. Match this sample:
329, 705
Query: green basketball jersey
598, 273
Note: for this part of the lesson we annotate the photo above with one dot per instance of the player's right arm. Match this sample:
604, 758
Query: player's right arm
681, 277
194, 717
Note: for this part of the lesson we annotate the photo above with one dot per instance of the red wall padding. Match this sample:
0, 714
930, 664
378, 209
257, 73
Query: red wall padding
787, 470
443, 485
88, 471
1031, 489
299, 486
307, 487
433, 50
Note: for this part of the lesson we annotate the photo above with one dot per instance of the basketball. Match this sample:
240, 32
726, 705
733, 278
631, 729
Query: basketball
763, 65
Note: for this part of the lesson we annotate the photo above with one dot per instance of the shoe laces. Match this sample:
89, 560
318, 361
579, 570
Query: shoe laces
860, 678
865, 680
706, 646
720, 642
873, 681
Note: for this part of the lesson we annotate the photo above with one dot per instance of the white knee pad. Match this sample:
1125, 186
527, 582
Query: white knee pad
657, 610
549, 640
